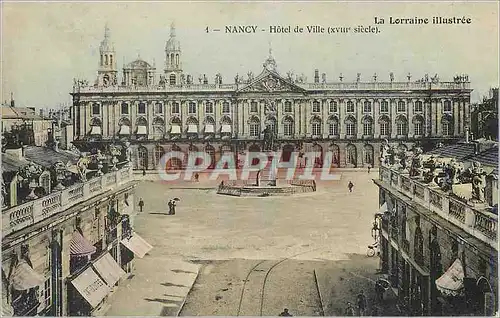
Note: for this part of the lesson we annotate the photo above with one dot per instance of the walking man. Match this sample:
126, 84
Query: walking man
143, 172
349, 311
369, 167
196, 177
361, 303
141, 204
285, 313
171, 207
350, 186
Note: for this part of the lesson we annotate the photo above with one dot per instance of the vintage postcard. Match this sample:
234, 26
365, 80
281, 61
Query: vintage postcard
250, 158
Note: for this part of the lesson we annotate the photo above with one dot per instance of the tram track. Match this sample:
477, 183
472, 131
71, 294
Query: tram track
267, 269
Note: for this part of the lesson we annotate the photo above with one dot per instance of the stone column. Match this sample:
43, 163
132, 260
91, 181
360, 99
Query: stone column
297, 115
467, 112
342, 109
279, 117
432, 116
455, 105
324, 116
149, 114
242, 108
439, 116
133, 116
168, 115
376, 112
105, 120
411, 128
306, 110
392, 110
358, 113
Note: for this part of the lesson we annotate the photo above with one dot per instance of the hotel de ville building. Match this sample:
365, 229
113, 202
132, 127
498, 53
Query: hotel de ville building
174, 111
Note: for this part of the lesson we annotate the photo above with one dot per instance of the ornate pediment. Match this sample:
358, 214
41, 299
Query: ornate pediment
270, 82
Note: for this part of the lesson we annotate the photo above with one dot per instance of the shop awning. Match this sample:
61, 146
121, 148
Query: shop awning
137, 245
141, 130
80, 246
226, 129
91, 287
192, 129
95, 130
124, 130
176, 129
451, 283
383, 208
109, 269
25, 277
209, 129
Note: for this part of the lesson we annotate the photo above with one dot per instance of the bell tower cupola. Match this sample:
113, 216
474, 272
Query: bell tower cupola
173, 65
107, 72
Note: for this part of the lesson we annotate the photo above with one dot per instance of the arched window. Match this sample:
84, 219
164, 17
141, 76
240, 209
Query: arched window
333, 126
367, 107
111, 60
367, 126
173, 79
175, 108
142, 155
318, 156
288, 107
96, 109
418, 124
350, 125
158, 108
141, 109
210, 150
254, 127
351, 155
418, 107
316, 107
176, 162
225, 108
159, 152
106, 59
316, 127
350, 107
402, 126
192, 108
177, 59
158, 127
254, 107
447, 106
333, 107
209, 108
288, 126
124, 108
368, 155
447, 125
336, 155
401, 106
384, 106
384, 123
172, 59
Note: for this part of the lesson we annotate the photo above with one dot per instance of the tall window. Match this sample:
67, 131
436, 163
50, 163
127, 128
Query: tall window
367, 128
367, 107
401, 106
158, 108
418, 106
175, 108
47, 294
384, 106
172, 79
447, 128
209, 108
254, 129
288, 128
141, 109
142, 153
316, 107
254, 107
288, 107
96, 109
333, 107
316, 128
350, 129
447, 106
418, 128
350, 107
225, 107
124, 109
159, 152
384, 128
402, 127
333, 128
192, 108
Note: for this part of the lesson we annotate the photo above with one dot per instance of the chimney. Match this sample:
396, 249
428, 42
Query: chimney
12, 103
316, 76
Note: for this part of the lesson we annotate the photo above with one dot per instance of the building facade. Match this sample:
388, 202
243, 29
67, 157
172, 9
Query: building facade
67, 233
178, 112
485, 117
438, 233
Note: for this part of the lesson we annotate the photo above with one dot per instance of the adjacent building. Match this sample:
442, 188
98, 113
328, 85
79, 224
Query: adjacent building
179, 112
438, 219
67, 231
485, 117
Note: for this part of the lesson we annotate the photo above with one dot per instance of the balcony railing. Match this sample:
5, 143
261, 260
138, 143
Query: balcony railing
473, 219
29, 213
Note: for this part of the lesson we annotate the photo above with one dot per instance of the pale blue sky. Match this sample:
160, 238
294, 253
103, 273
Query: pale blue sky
46, 45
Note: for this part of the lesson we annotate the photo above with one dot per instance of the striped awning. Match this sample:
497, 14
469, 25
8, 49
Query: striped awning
124, 130
192, 129
80, 246
95, 130
91, 287
451, 283
137, 245
108, 269
142, 130
176, 129
226, 129
25, 277
209, 128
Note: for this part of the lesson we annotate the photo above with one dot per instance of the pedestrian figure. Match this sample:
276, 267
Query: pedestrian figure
196, 177
141, 204
285, 313
350, 186
379, 291
375, 230
349, 311
369, 167
171, 206
361, 303
143, 172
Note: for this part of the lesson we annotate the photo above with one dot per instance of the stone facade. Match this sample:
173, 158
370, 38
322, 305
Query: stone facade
354, 117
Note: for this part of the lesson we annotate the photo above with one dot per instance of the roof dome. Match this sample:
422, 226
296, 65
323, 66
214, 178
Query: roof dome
138, 64
172, 44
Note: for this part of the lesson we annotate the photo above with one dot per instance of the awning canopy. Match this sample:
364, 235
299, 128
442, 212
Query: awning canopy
192, 129
383, 208
137, 245
95, 130
80, 246
124, 130
109, 269
142, 130
226, 129
176, 129
91, 287
25, 277
451, 283
209, 128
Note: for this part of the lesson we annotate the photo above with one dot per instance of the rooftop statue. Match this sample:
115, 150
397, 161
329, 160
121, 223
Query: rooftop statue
82, 166
323, 78
478, 182
416, 163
